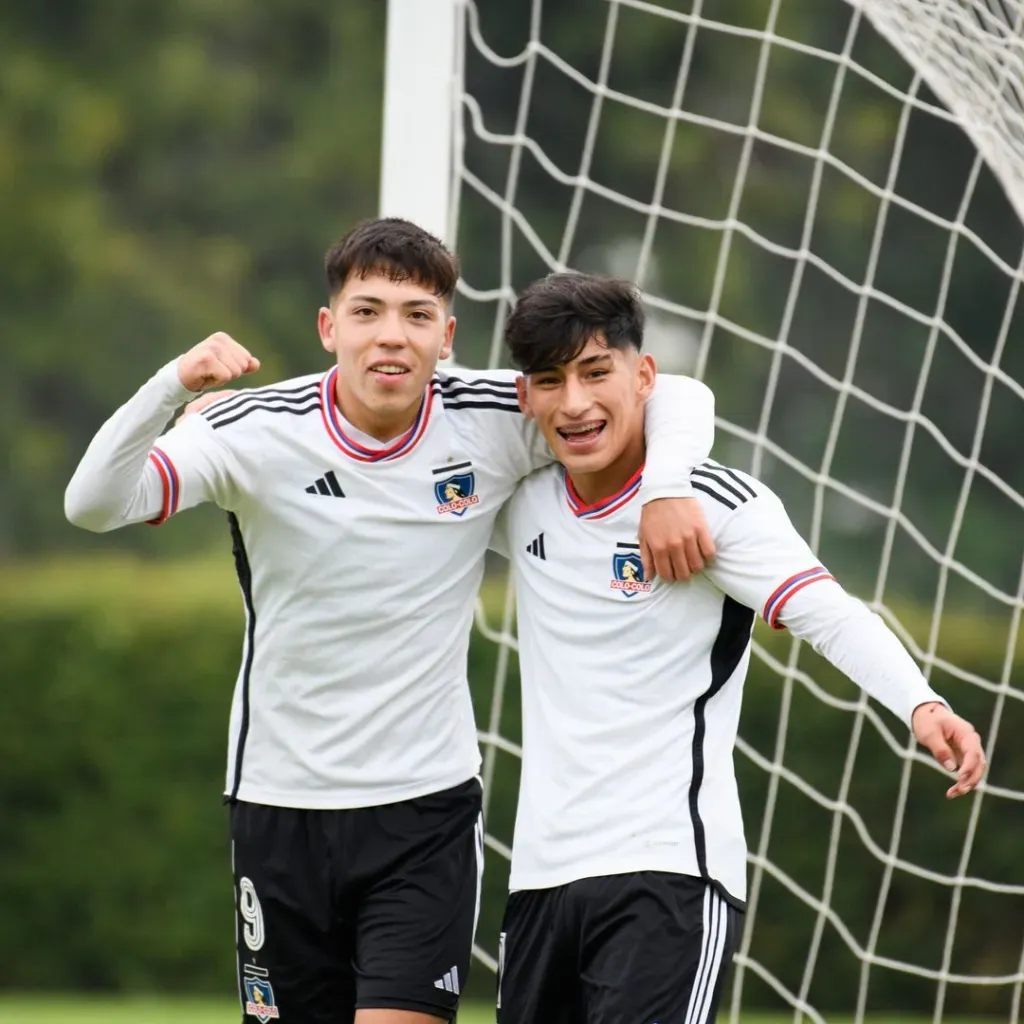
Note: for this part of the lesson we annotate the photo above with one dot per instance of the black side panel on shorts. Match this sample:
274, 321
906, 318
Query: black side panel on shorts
244, 571
726, 653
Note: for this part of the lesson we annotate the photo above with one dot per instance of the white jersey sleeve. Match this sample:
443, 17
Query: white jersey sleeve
130, 474
763, 563
680, 430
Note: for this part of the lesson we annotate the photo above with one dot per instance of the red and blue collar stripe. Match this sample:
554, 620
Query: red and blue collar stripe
782, 593
352, 448
606, 506
172, 485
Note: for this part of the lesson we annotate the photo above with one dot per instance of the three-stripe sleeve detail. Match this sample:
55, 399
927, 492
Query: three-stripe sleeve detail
297, 400
723, 484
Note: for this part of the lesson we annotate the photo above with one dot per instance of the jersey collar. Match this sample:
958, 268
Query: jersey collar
606, 506
352, 448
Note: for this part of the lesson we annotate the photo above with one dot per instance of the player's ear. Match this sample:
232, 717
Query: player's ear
325, 328
449, 339
523, 394
646, 375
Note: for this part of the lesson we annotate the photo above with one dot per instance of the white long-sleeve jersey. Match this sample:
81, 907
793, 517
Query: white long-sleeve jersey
359, 562
631, 688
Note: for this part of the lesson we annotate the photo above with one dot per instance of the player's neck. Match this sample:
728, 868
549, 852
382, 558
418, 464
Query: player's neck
381, 427
603, 483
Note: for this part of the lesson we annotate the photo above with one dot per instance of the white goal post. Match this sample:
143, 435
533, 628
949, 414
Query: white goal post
421, 91
823, 203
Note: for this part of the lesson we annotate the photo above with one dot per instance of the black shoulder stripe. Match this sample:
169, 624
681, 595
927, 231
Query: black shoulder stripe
221, 410
502, 406
263, 407
471, 392
270, 390
476, 382
722, 483
698, 486
715, 467
469, 400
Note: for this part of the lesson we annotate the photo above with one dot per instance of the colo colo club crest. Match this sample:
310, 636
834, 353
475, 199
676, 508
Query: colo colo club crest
454, 489
628, 570
259, 996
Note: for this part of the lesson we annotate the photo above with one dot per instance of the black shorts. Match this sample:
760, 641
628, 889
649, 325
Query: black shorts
619, 949
344, 909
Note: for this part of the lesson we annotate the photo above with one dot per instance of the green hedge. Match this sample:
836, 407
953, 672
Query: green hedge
113, 839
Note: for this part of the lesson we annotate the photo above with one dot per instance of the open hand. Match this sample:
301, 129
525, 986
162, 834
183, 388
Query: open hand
953, 742
674, 539
216, 360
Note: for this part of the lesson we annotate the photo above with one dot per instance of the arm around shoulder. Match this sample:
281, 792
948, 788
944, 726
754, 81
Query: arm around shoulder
680, 432
680, 429
486, 408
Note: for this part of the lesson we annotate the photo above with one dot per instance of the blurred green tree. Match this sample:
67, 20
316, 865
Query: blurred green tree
165, 171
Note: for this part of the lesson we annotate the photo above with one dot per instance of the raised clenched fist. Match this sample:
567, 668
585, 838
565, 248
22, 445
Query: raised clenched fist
216, 360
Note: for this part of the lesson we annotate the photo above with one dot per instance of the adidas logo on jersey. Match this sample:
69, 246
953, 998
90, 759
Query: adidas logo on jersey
628, 571
327, 485
536, 547
450, 981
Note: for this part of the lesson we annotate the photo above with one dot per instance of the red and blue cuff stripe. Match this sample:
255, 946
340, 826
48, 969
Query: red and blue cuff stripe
172, 485
774, 605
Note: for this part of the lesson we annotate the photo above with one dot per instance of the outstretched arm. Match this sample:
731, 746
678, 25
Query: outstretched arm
855, 640
124, 477
764, 563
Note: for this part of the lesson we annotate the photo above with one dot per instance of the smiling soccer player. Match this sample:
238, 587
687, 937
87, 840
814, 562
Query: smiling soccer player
361, 503
628, 861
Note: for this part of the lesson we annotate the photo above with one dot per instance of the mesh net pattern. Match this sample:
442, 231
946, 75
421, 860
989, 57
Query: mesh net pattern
821, 202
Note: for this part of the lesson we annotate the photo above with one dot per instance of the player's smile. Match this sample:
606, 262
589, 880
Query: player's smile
583, 437
390, 372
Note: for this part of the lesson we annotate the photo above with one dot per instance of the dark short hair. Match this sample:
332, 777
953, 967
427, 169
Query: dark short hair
555, 317
397, 249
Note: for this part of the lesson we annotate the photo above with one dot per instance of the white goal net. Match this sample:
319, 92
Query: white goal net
822, 202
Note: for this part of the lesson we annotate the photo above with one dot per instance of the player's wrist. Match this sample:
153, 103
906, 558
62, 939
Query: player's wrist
191, 384
174, 388
926, 708
656, 490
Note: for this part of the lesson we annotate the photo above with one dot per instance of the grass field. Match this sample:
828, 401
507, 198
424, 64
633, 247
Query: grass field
87, 1010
